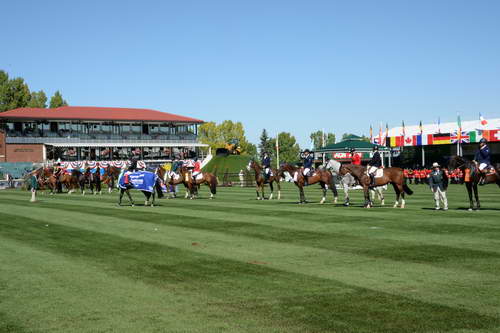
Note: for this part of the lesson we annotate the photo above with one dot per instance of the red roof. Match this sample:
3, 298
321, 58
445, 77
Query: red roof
95, 113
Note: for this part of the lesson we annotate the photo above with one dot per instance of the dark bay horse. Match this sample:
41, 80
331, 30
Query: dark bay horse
323, 177
260, 181
149, 195
392, 175
472, 176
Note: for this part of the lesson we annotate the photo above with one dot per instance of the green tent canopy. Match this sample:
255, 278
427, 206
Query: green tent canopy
346, 145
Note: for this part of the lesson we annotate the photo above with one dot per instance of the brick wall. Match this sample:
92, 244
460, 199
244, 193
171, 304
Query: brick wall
24, 153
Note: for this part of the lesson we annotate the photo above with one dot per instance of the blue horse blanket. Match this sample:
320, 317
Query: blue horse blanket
140, 180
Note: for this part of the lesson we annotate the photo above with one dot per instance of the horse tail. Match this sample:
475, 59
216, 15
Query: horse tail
407, 189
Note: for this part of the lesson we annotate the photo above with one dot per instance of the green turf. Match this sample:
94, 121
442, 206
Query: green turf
235, 264
223, 164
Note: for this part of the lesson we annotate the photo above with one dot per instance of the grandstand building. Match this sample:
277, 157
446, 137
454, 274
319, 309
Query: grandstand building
74, 133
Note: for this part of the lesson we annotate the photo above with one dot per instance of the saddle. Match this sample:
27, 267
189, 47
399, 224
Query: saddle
379, 173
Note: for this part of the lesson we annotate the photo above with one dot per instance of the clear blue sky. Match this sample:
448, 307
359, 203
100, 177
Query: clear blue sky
294, 66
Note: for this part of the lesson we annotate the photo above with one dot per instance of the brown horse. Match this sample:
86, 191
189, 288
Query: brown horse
260, 180
175, 179
73, 181
202, 178
472, 180
110, 177
323, 177
393, 176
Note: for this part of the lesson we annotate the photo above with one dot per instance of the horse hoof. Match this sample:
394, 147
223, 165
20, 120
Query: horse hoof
470, 209
335, 200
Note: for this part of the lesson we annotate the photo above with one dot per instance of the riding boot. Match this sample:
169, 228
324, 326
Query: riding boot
372, 180
305, 180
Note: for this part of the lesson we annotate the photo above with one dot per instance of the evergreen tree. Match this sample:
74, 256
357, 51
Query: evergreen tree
265, 144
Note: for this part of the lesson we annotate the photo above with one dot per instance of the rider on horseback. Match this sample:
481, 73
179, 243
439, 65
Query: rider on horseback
266, 164
196, 168
483, 160
308, 164
374, 164
355, 158
133, 161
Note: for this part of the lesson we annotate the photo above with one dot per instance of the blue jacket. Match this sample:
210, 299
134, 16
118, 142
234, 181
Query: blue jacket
266, 162
308, 161
483, 155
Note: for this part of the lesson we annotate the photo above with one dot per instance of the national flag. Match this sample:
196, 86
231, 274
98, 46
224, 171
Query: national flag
380, 134
441, 139
417, 140
399, 141
462, 137
421, 128
439, 124
491, 135
371, 134
386, 134
472, 137
459, 130
484, 122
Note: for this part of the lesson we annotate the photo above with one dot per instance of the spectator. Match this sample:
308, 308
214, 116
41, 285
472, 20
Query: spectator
438, 183
33, 185
242, 178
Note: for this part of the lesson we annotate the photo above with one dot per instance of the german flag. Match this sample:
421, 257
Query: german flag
439, 139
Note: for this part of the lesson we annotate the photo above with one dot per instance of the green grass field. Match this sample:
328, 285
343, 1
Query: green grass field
235, 264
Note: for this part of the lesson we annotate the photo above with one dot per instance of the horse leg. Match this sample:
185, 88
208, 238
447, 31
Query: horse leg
263, 197
366, 191
272, 190
468, 185
335, 193
257, 186
402, 197
120, 197
396, 189
279, 189
476, 195
129, 197
381, 196
323, 188
346, 194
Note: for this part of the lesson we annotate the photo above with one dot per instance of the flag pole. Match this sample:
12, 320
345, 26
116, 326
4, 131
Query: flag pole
277, 152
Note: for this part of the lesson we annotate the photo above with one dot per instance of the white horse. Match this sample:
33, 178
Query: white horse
347, 181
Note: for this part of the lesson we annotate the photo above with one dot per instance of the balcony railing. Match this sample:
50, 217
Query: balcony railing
90, 142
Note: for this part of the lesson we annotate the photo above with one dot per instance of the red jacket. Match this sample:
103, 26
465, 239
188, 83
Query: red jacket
356, 159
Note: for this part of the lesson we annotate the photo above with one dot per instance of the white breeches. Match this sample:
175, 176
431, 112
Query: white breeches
483, 166
440, 196
306, 171
371, 170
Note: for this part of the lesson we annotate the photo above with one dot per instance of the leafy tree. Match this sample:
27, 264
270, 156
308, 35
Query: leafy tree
14, 93
217, 136
318, 137
38, 100
288, 148
57, 100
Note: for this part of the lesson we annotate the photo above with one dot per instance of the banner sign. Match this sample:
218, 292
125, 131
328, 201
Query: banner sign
140, 180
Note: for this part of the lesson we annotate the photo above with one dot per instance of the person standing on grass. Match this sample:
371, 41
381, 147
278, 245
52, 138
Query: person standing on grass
438, 182
33, 185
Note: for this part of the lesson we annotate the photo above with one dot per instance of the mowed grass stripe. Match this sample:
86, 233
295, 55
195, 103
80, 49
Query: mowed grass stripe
260, 292
328, 237
414, 280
